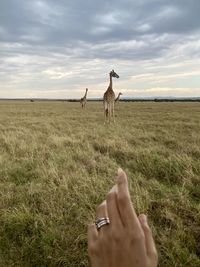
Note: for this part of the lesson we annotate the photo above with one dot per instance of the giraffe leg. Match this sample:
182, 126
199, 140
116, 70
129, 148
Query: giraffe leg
106, 113
104, 108
110, 110
113, 111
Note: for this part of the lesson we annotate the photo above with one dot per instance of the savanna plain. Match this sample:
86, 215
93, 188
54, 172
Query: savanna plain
57, 163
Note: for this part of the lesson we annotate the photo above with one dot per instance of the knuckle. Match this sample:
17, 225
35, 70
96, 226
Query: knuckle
141, 236
113, 236
103, 239
154, 255
101, 207
137, 236
110, 196
116, 237
92, 249
123, 199
147, 229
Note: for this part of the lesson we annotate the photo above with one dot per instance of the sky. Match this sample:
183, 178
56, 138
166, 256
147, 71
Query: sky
56, 49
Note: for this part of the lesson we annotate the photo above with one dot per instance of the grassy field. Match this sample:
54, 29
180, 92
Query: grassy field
57, 163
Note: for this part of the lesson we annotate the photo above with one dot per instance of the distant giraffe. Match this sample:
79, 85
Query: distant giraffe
84, 99
117, 99
109, 99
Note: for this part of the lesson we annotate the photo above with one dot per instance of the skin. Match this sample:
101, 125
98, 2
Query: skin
127, 241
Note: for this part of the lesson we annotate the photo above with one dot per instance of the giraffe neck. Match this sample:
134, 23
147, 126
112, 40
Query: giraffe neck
110, 85
85, 94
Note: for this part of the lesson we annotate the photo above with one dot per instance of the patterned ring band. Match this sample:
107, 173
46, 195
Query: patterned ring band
101, 222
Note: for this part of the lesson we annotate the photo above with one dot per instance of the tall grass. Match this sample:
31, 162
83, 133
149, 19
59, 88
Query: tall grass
57, 162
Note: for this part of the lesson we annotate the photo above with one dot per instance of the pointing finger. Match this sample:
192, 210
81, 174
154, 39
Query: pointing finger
127, 211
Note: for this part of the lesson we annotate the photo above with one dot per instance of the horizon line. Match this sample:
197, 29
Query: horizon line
100, 98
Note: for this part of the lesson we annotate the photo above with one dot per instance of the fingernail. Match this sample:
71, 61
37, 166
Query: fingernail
119, 174
143, 218
119, 171
121, 177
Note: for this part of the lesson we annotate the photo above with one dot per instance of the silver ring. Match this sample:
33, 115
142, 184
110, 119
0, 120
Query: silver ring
101, 222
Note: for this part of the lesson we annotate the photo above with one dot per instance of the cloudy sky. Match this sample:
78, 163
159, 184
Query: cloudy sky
57, 48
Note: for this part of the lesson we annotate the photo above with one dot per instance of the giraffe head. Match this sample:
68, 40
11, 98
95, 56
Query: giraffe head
86, 89
120, 94
114, 74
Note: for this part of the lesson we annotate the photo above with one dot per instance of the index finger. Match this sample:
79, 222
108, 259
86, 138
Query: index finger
127, 211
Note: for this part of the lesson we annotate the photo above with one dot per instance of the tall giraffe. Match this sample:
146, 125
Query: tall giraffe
84, 99
109, 99
117, 99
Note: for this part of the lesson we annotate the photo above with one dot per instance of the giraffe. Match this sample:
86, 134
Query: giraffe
83, 99
109, 99
117, 99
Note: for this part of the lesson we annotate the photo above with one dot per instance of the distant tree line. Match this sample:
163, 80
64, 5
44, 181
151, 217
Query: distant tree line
196, 99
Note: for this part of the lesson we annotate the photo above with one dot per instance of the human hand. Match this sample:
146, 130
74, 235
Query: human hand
127, 240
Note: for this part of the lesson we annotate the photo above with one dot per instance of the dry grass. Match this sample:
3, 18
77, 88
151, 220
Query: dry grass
57, 163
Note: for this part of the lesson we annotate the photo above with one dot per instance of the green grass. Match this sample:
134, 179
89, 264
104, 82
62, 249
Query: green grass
57, 163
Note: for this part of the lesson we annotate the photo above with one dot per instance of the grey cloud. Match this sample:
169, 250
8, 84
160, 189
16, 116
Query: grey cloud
179, 17
61, 22
39, 35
